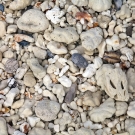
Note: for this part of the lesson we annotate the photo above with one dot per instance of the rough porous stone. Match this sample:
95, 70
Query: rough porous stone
37, 69
84, 131
66, 35
39, 131
11, 65
105, 110
47, 110
91, 38
37, 21
113, 81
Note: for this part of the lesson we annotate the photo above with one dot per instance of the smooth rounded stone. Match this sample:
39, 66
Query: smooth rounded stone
118, 4
11, 29
38, 71
56, 47
131, 109
11, 65
2, 28
100, 5
17, 104
19, 4
65, 81
1, 8
29, 79
23, 43
80, 3
66, 35
79, 60
39, 131
47, 110
50, 54
8, 54
3, 127
39, 53
37, 21
84, 131
33, 120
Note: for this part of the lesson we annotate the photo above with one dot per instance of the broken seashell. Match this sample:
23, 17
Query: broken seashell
84, 15
111, 57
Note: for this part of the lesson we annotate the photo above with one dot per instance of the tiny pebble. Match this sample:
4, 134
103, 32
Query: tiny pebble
11, 65
1, 8
79, 60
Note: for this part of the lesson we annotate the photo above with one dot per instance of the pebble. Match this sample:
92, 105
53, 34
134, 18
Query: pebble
3, 126
11, 29
39, 53
1, 8
11, 65
39, 131
3, 28
37, 69
79, 60
29, 79
37, 16
47, 110
118, 4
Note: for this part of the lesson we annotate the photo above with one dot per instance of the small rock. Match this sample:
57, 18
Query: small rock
129, 30
2, 28
47, 110
66, 35
65, 81
37, 69
79, 60
3, 84
24, 43
37, 21
0, 56
17, 104
8, 54
39, 53
49, 54
118, 4
29, 79
3, 127
33, 120
84, 131
1, 8
71, 93
19, 4
11, 29
11, 65
39, 131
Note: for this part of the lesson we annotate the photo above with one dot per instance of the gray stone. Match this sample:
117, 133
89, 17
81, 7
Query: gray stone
47, 110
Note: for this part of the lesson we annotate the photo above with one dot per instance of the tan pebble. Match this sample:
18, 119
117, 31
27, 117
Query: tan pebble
29, 79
